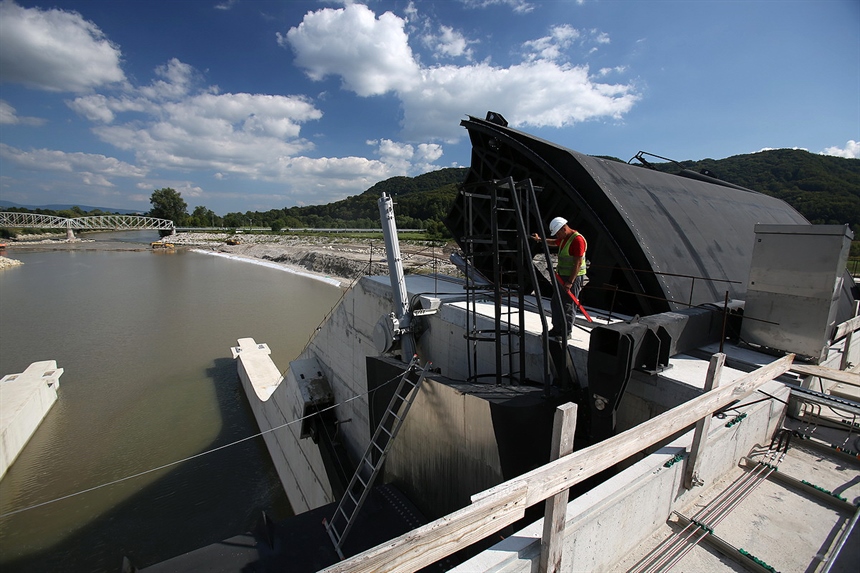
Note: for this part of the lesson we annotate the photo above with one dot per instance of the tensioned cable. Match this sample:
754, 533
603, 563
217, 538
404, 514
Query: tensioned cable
213, 450
207, 452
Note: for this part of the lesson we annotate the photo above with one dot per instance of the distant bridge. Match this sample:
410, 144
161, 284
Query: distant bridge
111, 222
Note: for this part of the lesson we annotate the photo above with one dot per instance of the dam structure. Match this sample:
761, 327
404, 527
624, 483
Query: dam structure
712, 348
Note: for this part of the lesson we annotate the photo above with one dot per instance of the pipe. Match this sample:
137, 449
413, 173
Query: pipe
395, 271
831, 560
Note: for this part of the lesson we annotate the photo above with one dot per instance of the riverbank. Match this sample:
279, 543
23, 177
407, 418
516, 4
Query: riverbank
342, 259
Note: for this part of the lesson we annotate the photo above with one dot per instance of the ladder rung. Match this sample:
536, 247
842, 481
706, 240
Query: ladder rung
381, 444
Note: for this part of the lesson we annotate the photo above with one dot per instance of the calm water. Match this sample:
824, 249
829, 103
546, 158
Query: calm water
144, 338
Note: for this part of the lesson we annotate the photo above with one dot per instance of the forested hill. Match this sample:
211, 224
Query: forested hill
825, 189
421, 202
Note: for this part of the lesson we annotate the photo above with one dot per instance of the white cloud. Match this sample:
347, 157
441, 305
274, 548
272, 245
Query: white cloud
544, 90
518, 6
93, 169
55, 50
177, 81
603, 72
550, 47
850, 151
226, 5
406, 159
172, 126
371, 55
9, 116
448, 43
229, 133
176, 124
600, 37
538, 94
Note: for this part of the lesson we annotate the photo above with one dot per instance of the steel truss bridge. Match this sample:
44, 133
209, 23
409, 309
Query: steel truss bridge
101, 222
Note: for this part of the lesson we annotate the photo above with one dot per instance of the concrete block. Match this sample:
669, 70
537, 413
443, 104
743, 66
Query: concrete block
25, 400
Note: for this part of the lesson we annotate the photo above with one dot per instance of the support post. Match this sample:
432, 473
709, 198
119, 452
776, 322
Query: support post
691, 475
70, 234
563, 429
846, 347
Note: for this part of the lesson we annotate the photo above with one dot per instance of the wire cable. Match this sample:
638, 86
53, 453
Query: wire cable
197, 455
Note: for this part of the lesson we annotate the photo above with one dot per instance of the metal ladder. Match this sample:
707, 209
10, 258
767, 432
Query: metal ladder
367, 470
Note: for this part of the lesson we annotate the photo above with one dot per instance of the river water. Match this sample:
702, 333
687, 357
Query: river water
144, 339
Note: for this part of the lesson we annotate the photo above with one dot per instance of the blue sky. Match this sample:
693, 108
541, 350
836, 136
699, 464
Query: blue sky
257, 104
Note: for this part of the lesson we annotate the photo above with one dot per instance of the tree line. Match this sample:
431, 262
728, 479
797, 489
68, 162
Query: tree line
824, 189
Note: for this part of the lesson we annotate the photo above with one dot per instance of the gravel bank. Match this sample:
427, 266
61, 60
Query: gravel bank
345, 259
6, 263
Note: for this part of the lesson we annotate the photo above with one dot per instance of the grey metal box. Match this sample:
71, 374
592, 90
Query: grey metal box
794, 286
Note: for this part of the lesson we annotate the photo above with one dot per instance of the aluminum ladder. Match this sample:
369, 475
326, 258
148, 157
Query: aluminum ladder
365, 474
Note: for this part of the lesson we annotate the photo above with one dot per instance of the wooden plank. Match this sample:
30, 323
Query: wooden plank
691, 474
850, 378
499, 506
563, 430
849, 325
436, 540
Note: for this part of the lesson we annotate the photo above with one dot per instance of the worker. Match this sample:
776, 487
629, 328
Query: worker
570, 273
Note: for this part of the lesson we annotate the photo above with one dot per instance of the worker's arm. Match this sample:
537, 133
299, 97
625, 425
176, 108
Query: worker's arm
568, 282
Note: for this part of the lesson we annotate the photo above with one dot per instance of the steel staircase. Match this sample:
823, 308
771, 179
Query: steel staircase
371, 463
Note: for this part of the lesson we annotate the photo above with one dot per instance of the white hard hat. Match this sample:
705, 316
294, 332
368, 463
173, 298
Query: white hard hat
556, 224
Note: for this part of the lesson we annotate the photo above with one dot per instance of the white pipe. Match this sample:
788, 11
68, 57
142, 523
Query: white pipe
395, 272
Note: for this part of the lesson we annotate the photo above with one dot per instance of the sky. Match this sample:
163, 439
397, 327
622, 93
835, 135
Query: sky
251, 105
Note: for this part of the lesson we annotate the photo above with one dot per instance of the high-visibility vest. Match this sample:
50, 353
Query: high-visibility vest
566, 259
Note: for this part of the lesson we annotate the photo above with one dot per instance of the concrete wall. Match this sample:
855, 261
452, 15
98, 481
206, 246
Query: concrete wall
25, 400
611, 519
298, 463
446, 450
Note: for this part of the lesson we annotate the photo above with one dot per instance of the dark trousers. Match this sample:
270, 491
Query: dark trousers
566, 308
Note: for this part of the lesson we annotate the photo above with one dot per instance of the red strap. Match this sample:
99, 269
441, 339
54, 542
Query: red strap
576, 300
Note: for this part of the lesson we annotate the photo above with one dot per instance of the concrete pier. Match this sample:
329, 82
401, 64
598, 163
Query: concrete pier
25, 400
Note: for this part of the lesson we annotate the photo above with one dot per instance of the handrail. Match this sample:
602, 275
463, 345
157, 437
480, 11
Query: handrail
499, 506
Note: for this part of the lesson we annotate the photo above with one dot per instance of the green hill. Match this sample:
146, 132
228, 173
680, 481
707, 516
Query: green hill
825, 189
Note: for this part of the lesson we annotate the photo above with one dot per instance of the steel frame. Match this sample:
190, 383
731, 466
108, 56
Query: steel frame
116, 222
